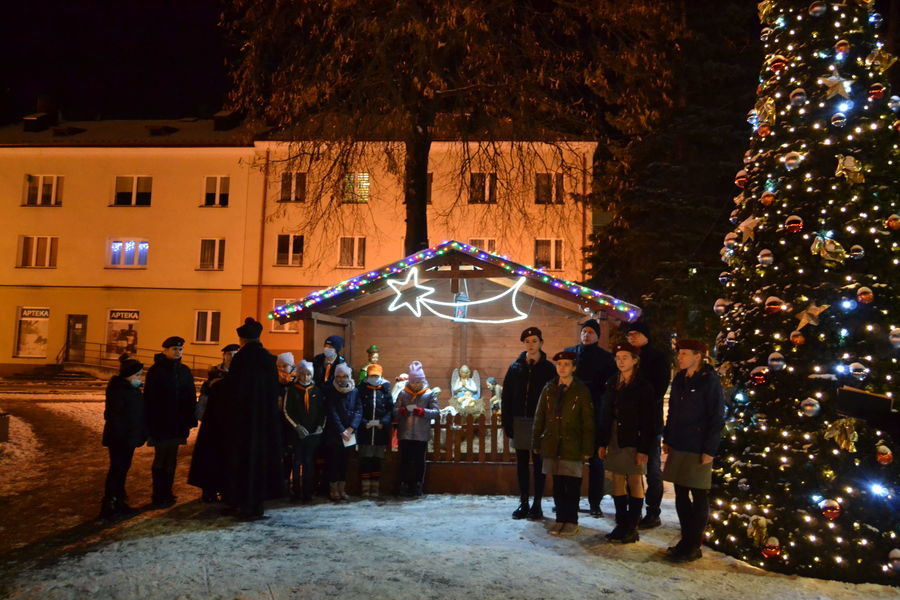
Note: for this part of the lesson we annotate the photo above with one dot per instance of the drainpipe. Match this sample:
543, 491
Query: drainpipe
584, 203
262, 239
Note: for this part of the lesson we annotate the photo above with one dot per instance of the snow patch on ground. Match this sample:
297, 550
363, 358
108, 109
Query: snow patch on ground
440, 546
19, 463
89, 414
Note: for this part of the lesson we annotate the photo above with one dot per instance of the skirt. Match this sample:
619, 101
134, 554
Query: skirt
684, 468
366, 451
522, 433
622, 460
569, 468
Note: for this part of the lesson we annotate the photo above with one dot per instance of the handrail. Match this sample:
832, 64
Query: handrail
97, 353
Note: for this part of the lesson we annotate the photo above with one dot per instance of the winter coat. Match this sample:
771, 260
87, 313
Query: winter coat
565, 430
215, 373
522, 387
169, 399
344, 410
295, 413
255, 446
378, 404
410, 426
594, 366
124, 415
656, 368
208, 469
696, 412
634, 409
320, 366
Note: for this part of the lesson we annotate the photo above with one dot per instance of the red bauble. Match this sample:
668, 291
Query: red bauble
763, 131
883, 455
770, 551
767, 198
777, 63
797, 338
877, 91
831, 510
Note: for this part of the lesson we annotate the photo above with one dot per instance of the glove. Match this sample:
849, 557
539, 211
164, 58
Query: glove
371, 424
302, 431
403, 411
419, 411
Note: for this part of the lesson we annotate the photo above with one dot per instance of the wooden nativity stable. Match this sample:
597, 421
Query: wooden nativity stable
452, 305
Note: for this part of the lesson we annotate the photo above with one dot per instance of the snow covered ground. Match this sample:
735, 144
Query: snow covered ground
89, 414
19, 458
436, 547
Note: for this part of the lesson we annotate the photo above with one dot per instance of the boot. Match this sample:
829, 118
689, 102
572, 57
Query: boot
535, 513
374, 491
107, 507
522, 511
123, 508
342, 490
158, 498
633, 519
367, 488
333, 491
619, 530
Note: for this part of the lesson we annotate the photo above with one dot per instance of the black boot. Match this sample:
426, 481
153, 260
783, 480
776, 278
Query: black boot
522, 511
535, 514
634, 517
123, 508
619, 530
108, 507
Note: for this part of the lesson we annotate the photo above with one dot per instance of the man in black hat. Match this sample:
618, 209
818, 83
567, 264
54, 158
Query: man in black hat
255, 472
170, 399
522, 386
594, 366
656, 367
327, 361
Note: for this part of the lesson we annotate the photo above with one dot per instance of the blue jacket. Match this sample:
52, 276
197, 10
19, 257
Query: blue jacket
376, 403
696, 412
344, 410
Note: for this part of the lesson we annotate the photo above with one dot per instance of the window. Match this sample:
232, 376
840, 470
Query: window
290, 250
489, 244
356, 188
548, 254
216, 193
133, 191
212, 254
353, 252
482, 188
549, 189
293, 187
290, 326
38, 251
207, 329
43, 190
127, 253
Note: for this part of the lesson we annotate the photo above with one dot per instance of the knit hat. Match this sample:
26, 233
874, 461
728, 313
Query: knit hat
129, 366
335, 341
374, 370
640, 327
531, 331
565, 355
627, 348
695, 345
372, 349
416, 372
343, 368
285, 358
305, 365
250, 330
593, 324
173, 340
230, 348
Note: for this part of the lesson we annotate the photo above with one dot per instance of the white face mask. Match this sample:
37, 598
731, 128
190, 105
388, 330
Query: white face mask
330, 353
373, 380
136, 382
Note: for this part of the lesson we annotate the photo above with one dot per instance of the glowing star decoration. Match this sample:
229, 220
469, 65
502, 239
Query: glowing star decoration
836, 86
416, 297
828, 248
748, 228
810, 315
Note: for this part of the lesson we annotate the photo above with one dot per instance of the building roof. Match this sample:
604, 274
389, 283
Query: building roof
450, 256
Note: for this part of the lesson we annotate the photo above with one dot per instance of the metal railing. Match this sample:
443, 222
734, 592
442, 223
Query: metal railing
101, 354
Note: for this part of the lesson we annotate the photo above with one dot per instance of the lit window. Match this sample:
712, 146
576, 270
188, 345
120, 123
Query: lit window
128, 253
548, 254
290, 326
206, 330
356, 188
37, 251
133, 191
353, 252
216, 193
212, 254
43, 190
290, 251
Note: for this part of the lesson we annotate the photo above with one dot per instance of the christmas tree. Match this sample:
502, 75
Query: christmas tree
805, 481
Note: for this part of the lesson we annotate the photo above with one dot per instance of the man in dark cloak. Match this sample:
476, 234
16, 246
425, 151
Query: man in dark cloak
256, 454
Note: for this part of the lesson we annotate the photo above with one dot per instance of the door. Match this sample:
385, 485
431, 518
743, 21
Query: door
76, 336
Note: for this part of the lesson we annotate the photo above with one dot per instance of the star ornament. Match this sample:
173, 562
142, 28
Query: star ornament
748, 228
810, 315
411, 297
836, 86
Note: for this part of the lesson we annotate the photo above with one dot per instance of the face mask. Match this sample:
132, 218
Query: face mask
373, 380
135, 382
330, 353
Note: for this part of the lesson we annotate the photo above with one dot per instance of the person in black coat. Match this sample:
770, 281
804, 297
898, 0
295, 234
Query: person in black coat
377, 406
304, 413
325, 363
208, 461
525, 379
691, 439
656, 367
593, 366
626, 433
170, 400
123, 431
344, 417
255, 449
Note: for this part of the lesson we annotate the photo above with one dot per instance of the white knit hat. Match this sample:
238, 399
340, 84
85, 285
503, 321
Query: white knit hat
305, 365
285, 358
416, 372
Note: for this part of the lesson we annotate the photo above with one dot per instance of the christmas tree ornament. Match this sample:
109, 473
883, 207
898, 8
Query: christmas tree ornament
794, 224
893, 222
731, 240
828, 248
876, 19
856, 252
748, 228
859, 370
759, 376
828, 474
777, 63
810, 407
764, 9
842, 47
767, 198
776, 361
798, 97
883, 455
735, 216
727, 255
765, 257
864, 295
894, 103
753, 119
766, 111
721, 306
761, 419
843, 432
880, 60
894, 337
835, 85
896, 125
743, 484
725, 277
771, 549
731, 339
877, 91
757, 529
817, 9
849, 168
894, 559
763, 130
830, 509
839, 119
739, 199
810, 315
740, 179
765, 33
797, 338
792, 160
774, 305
